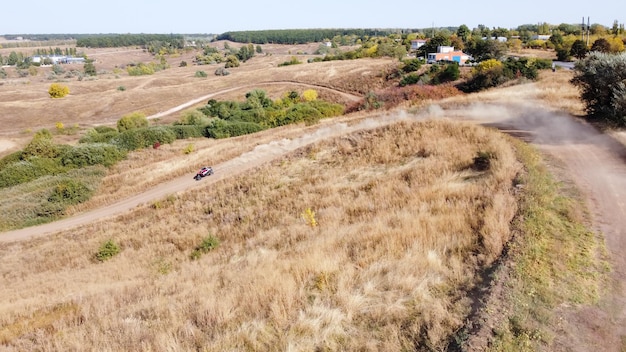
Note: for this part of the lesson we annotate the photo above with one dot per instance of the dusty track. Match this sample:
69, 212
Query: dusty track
593, 160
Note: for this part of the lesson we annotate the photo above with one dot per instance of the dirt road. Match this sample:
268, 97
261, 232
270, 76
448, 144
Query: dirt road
594, 161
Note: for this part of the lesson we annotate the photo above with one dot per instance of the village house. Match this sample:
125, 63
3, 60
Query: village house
417, 43
56, 59
447, 53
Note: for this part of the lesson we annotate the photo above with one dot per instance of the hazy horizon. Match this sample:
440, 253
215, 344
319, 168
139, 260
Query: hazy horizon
197, 17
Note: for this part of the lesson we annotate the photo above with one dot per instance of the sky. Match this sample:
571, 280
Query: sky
216, 17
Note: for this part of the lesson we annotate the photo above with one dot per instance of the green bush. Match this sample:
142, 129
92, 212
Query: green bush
69, 192
105, 129
27, 170
302, 112
193, 117
208, 244
409, 79
41, 146
412, 65
200, 74
92, 154
132, 121
449, 74
143, 137
600, 78
92, 136
10, 159
189, 131
107, 251
224, 129
294, 61
327, 109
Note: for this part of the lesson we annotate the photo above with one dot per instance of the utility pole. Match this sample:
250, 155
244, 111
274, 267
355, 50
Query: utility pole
588, 31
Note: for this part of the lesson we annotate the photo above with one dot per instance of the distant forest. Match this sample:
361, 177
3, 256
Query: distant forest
121, 40
303, 36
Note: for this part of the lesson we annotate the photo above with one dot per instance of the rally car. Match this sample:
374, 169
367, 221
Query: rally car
205, 171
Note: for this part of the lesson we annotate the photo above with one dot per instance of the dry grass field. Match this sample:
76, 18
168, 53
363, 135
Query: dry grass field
375, 240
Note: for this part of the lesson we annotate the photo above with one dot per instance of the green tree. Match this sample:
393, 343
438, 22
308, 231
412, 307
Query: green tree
579, 49
463, 32
432, 45
600, 78
13, 59
89, 68
232, 61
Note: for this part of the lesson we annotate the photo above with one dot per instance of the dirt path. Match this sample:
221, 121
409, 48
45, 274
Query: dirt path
595, 162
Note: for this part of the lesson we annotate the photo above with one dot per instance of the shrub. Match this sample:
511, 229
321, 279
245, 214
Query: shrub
69, 192
200, 74
104, 129
309, 95
409, 79
327, 109
58, 91
193, 117
121, 88
294, 61
231, 61
41, 147
27, 170
107, 251
92, 154
93, 136
208, 244
450, 73
188, 131
600, 78
221, 71
132, 121
141, 69
143, 137
412, 65
188, 149
224, 129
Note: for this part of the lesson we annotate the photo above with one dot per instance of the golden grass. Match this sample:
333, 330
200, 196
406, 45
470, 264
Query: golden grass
404, 226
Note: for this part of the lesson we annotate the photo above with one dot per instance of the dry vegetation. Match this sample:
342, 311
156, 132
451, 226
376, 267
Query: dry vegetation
405, 224
372, 241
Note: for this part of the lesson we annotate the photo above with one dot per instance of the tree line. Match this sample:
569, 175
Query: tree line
120, 40
298, 36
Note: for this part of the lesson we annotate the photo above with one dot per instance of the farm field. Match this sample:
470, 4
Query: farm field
371, 231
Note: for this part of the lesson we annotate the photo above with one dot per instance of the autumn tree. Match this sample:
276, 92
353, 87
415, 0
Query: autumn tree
602, 45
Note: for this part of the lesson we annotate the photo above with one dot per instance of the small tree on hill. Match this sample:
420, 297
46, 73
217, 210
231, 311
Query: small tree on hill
90, 68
